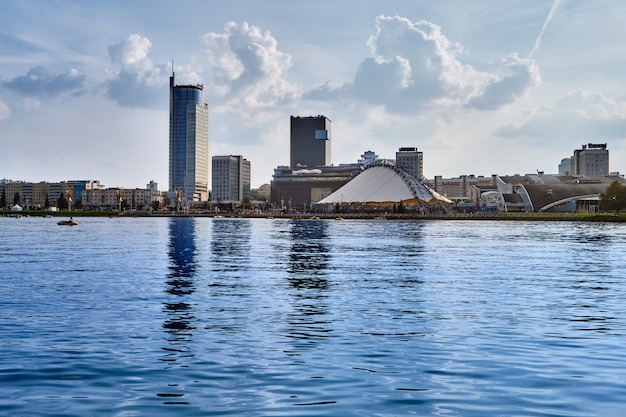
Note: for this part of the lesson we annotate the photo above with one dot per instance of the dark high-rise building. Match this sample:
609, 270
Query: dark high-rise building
189, 142
310, 142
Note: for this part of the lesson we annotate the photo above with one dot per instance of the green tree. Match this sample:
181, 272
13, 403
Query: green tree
259, 195
62, 202
16, 198
614, 197
46, 204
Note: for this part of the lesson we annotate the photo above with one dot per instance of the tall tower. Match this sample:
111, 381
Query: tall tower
189, 142
310, 142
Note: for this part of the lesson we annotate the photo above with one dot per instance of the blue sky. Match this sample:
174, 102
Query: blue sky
489, 87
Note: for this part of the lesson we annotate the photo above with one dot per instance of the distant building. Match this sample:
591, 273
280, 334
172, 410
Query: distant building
300, 188
560, 193
591, 160
310, 142
411, 160
309, 176
382, 186
102, 198
465, 188
189, 143
152, 186
42, 195
367, 157
565, 167
230, 179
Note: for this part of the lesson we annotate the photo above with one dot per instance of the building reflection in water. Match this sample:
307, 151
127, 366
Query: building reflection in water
230, 244
180, 285
309, 260
309, 255
231, 275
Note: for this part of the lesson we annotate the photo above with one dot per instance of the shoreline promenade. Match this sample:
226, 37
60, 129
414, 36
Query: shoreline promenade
602, 217
570, 217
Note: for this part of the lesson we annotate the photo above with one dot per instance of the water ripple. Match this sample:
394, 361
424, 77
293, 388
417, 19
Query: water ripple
238, 317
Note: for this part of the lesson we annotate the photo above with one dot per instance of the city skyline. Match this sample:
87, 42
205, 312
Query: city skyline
483, 88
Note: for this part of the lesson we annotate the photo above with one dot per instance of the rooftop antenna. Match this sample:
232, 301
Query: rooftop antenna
172, 77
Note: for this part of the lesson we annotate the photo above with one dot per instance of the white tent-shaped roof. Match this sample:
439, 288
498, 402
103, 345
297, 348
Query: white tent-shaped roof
383, 183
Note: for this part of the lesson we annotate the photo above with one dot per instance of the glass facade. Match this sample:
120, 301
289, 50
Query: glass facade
189, 142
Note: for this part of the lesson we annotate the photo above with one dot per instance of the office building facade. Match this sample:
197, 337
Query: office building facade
310, 142
230, 179
189, 143
591, 160
411, 160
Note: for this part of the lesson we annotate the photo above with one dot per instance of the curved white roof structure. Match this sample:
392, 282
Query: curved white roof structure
382, 182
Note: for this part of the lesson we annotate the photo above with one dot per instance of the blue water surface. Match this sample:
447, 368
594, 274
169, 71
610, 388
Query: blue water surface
259, 317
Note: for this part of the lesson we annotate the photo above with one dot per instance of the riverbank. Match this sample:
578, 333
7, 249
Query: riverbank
587, 217
600, 217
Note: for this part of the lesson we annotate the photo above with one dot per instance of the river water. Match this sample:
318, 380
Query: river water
258, 317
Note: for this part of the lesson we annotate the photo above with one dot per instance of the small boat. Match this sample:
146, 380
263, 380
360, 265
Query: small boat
70, 222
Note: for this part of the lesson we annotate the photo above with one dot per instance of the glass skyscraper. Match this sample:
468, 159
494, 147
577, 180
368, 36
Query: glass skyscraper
189, 143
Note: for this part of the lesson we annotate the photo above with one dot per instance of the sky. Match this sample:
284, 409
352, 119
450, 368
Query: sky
482, 88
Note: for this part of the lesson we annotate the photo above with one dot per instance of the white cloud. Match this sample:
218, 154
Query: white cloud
132, 55
137, 82
580, 116
524, 74
250, 70
413, 65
